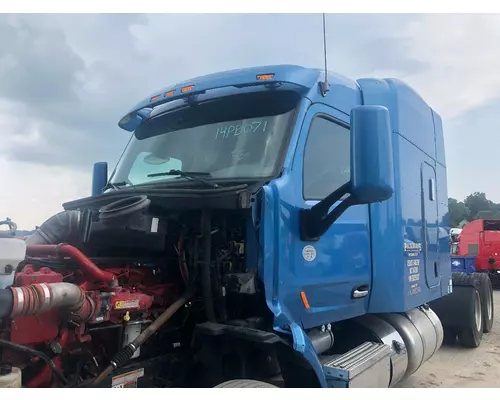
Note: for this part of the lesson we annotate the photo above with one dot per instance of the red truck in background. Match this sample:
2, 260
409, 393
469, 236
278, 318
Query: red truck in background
481, 238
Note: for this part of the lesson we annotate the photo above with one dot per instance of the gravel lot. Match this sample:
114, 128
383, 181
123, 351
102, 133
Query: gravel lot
459, 367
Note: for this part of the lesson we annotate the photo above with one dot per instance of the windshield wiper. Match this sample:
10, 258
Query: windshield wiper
116, 185
194, 176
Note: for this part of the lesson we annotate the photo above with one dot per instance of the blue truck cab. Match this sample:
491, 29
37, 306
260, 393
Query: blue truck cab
343, 187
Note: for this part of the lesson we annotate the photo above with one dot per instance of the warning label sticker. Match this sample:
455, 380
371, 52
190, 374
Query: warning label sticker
124, 304
127, 380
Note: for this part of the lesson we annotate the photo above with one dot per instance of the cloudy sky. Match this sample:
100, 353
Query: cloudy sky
66, 80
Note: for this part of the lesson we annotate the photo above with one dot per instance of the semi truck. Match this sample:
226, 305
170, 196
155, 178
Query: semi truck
273, 226
481, 239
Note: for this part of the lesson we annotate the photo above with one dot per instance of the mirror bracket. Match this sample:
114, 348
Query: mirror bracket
315, 221
99, 177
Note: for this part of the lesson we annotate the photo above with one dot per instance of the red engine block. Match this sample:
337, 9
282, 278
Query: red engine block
134, 299
41, 328
116, 305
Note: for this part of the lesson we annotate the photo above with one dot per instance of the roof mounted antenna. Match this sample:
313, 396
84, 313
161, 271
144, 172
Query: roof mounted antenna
325, 86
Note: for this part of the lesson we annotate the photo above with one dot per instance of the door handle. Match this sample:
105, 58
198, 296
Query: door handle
360, 292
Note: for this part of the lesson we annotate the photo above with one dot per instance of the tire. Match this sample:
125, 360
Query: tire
450, 336
495, 279
245, 384
463, 279
459, 311
486, 300
469, 306
471, 335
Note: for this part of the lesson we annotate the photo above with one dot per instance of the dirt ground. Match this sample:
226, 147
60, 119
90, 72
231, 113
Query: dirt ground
458, 367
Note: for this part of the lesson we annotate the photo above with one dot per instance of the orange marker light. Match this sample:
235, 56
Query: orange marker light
169, 94
265, 77
186, 89
155, 98
304, 300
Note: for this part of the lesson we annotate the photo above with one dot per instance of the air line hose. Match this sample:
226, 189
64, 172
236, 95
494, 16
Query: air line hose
128, 351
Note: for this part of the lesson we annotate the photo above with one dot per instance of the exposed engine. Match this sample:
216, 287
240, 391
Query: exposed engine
100, 290
133, 294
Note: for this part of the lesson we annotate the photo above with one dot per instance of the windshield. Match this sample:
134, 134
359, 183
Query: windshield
238, 136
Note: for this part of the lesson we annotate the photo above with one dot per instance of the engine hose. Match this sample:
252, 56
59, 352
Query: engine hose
206, 279
62, 227
36, 353
63, 249
6, 302
41, 297
128, 351
124, 208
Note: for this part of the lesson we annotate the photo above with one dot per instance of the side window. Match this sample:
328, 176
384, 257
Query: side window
326, 158
472, 249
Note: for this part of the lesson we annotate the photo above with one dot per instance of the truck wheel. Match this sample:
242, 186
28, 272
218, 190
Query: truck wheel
471, 335
450, 335
467, 309
461, 311
245, 384
486, 300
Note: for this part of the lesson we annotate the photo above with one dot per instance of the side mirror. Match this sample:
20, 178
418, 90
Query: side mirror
99, 177
372, 172
372, 166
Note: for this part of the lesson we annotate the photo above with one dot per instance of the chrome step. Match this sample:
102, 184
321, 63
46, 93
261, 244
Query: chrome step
365, 366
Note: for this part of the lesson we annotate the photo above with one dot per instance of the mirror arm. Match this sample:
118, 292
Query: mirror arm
314, 222
320, 209
329, 219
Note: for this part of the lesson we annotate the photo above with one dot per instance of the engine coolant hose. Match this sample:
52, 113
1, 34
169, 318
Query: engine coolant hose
63, 249
128, 351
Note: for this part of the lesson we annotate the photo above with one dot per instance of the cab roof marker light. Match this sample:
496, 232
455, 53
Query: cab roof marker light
170, 93
265, 77
154, 98
186, 89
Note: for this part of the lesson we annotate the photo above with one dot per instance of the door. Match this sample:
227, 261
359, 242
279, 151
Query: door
333, 273
430, 225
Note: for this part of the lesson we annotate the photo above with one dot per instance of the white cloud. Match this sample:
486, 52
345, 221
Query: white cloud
32, 193
463, 54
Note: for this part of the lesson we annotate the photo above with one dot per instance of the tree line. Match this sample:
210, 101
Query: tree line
474, 206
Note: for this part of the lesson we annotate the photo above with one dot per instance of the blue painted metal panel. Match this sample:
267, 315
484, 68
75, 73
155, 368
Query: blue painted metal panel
438, 128
397, 225
463, 264
411, 117
343, 253
444, 226
343, 94
328, 298
430, 270
414, 117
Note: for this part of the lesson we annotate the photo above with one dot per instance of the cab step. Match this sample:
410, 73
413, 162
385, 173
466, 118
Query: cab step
365, 366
